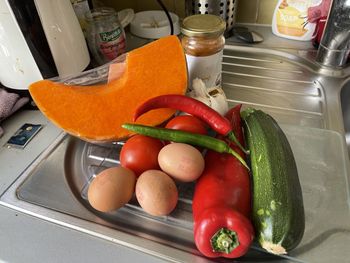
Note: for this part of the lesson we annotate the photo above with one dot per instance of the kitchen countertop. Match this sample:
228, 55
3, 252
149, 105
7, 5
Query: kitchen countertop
25, 238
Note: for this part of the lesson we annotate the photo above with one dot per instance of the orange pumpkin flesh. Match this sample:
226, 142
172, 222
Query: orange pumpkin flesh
96, 113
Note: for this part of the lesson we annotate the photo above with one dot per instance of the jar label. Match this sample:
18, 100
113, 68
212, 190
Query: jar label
207, 68
111, 35
112, 43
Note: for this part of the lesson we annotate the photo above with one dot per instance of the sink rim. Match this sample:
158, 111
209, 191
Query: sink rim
9, 198
345, 88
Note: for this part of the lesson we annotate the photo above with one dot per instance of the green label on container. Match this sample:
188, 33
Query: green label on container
111, 35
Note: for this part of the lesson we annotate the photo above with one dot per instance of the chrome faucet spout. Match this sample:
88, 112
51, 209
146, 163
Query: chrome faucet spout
334, 46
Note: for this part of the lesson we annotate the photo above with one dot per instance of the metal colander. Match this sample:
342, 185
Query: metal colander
225, 9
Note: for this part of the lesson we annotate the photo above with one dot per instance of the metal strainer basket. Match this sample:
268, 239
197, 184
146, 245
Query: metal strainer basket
225, 9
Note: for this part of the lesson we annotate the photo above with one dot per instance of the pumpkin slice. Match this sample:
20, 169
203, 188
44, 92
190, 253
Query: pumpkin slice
96, 113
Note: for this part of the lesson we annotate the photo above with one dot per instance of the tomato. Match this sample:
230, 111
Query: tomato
140, 153
187, 123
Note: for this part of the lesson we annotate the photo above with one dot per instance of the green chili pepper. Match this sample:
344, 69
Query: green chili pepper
194, 107
184, 137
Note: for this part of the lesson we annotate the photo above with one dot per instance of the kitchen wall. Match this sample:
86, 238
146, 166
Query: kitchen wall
176, 6
249, 11
256, 11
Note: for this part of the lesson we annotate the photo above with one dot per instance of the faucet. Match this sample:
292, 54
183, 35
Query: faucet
334, 46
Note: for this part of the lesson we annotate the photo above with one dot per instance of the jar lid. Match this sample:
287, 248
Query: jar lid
203, 25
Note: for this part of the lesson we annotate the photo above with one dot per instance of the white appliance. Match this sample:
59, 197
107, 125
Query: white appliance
39, 39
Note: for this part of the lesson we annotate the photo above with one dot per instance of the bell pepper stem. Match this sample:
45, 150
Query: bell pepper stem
234, 139
235, 154
224, 241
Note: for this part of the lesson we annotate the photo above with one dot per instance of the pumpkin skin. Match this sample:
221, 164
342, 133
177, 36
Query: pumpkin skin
96, 113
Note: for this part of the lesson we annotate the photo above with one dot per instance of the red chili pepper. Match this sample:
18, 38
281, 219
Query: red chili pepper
221, 203
191, 106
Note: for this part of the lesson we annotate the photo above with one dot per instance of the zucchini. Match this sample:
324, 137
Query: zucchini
278, 211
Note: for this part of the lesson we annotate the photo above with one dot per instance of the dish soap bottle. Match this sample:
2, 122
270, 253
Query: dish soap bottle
290, 19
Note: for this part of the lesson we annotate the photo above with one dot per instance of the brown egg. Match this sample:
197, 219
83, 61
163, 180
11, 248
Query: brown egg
111, 189
156, 192
181, 161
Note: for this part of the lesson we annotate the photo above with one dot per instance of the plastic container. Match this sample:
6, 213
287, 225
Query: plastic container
126, 16
290, 19
98, 75
153, 24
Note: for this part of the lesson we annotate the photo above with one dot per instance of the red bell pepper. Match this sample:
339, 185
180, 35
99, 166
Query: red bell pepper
222, 202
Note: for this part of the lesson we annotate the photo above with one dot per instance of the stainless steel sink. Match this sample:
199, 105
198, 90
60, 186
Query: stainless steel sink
345, 105
285, 84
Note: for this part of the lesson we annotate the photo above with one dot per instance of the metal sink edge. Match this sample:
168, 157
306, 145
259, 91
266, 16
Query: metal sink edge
323, 89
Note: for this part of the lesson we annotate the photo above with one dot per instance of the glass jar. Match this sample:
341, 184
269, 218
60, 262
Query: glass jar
81, 7
105, 35
203, 43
